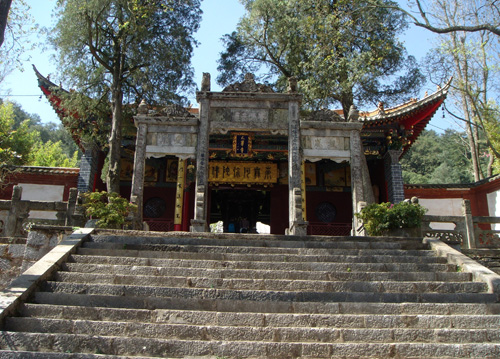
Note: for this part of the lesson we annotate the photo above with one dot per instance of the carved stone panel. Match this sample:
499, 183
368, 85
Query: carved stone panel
317, 147
240, 118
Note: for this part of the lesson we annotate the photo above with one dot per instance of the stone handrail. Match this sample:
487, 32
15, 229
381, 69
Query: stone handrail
19, 213
470, 231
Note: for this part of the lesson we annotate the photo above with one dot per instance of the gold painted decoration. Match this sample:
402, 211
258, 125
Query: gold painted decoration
126, 169
171, 171
310, 174
243, 172
179, 192
283, 173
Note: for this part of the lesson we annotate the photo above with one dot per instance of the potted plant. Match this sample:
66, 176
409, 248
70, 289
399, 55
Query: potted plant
401, 219
109, 210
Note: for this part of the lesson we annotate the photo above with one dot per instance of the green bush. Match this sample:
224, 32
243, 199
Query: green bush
380, 218
110, 209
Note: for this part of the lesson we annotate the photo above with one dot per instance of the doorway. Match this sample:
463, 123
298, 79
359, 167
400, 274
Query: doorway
240, 209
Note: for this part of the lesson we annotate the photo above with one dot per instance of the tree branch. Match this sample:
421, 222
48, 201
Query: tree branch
93, 49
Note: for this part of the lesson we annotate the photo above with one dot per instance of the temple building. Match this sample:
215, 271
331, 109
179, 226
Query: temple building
250, 155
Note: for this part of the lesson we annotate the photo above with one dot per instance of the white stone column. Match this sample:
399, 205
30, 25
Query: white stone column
136, 193
297, 225
357, 188
199, 223
470, 240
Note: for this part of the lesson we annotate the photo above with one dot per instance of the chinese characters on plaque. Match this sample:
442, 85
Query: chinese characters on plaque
243, 172
242, 145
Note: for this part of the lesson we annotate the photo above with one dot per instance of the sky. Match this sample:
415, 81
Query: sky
219, 17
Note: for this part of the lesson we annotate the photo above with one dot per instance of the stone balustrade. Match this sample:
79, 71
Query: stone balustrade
468, 231
15, 213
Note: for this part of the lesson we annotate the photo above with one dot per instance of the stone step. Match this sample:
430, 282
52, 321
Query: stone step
62, 342
488, 307
272, 295
265, 274
250, 333
276, 258
274, 284
272, 320
6, 354
215, 249
266, 241
261, 265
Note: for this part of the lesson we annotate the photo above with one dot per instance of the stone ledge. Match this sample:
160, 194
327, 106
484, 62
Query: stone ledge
25, 284
479, 272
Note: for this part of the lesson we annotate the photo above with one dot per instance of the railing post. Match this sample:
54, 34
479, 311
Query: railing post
470, 241
358, 228
18, 212
71, 206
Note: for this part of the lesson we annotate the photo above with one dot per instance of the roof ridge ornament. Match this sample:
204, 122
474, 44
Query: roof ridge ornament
353, 114
248, 85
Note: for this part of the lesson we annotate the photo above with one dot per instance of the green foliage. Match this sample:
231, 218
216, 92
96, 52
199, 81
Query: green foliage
139, 39
110, 209
119, 51
51, 154
439, 159
340, 52
379, 218
15, 143
32, 143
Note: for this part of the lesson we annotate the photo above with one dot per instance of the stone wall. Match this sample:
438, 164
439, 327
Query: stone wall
19, 254
11, 259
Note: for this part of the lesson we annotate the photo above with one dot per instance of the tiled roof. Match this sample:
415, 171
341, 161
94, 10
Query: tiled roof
45, 170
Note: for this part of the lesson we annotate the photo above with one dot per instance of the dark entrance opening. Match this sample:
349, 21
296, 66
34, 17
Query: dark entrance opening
240, 209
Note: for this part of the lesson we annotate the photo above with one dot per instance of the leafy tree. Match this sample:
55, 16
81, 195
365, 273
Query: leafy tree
45, 131
51, 154
24, 140
472, 59
118, 51
422, 158
478, 16
439, 159
16, 25
15, 144
339, 51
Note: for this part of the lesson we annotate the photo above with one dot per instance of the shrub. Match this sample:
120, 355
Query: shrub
380, 218
110, 209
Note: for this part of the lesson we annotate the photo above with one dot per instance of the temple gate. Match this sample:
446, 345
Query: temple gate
245, 113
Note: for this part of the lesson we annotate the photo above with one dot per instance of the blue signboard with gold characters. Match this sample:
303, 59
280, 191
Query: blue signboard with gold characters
242, 145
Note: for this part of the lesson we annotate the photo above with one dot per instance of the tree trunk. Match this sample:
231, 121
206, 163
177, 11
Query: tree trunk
4, 14
472, 145
115, 139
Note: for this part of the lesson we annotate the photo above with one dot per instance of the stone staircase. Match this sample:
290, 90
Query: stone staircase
251, 296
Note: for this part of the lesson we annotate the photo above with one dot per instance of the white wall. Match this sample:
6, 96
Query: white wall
442, 207
493, 199
42, 192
